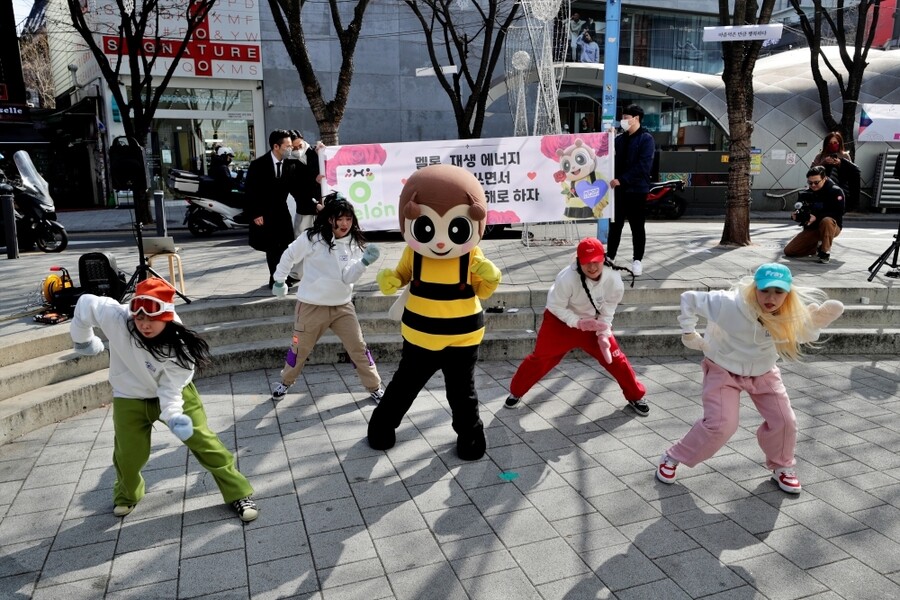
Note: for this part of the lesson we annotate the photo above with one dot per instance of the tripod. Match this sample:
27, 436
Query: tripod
895, 248
143, 270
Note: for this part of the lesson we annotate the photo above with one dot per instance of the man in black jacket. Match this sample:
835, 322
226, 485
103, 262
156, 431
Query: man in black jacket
269, 180
823, 202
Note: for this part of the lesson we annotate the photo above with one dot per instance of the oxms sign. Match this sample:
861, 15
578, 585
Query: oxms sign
226, 44
526, 179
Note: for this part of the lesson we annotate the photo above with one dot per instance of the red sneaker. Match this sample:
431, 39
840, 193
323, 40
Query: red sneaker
786, 478
666, 470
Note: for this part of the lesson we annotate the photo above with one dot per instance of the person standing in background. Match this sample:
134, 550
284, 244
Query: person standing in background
634, 160
269, 180
575, 27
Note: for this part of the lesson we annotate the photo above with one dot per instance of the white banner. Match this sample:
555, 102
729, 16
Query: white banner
879, 123
526, 179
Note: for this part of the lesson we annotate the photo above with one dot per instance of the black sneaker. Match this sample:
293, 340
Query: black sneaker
280, 391
512, 401
640, 407
246, 509
824, 257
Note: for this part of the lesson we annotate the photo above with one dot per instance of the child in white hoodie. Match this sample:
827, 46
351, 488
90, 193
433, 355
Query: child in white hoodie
333, 258
151, 366
748, 328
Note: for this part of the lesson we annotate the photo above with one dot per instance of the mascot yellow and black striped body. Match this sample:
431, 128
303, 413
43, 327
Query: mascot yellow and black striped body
442, 217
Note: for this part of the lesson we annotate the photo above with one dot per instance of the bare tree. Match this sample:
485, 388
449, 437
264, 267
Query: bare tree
462, 40
739, 60
35, 52
853, 30
329, 114
140, 43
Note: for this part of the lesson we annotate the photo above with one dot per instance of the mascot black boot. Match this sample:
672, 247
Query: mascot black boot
381, 434
472, 445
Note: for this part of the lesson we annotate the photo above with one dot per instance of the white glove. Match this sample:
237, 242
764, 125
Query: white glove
89, 348
823, 316
181, 426
694, 341
279, 289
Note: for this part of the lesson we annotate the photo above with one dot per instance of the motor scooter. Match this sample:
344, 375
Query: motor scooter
209, 209
35, 211
664, 201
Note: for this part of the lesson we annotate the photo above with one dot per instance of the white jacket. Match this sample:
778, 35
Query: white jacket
736, 340
328, 275
133, 371
569, 303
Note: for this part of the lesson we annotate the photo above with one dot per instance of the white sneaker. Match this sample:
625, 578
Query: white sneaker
786, 478
665, 472
636, 268
280, 391
377, 395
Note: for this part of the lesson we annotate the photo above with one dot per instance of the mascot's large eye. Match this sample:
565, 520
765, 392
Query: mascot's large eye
581, 159
460, 230
423, 229
566, 165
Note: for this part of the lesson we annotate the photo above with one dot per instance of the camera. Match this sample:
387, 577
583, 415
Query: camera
802, 213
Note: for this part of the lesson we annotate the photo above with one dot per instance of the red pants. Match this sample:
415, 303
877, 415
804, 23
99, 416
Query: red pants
554, 341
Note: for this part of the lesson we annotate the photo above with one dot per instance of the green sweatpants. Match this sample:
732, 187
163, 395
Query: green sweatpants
133, 420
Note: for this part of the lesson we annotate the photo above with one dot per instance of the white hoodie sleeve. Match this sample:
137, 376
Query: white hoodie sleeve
171, 383
613, 291
293, 255
354, 268
558, 300
699, 304
93, 311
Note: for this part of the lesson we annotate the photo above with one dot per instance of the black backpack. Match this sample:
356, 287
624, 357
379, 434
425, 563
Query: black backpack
99, 275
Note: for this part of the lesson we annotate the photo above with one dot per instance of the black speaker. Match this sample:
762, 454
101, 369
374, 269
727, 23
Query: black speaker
128, 167
99, 275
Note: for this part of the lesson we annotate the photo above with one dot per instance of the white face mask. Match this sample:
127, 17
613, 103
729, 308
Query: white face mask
625, 124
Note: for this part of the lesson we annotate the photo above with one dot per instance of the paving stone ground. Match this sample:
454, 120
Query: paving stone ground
564, 505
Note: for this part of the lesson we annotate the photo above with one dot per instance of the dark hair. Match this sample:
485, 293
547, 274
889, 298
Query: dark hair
334, 207
635, 111
833, 134
584, 285
296, 135
174, 342
817, 170
277, 136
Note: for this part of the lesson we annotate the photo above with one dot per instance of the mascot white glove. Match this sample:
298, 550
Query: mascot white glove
823, 316
181, 426
694, 341
89, 348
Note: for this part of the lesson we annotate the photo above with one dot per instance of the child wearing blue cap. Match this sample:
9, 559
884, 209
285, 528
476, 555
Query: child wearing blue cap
748, 329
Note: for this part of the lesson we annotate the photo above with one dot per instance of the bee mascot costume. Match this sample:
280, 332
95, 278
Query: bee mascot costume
442, 218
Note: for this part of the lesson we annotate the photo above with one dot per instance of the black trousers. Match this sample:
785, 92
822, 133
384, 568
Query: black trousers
630, 207
416, 367
273, 257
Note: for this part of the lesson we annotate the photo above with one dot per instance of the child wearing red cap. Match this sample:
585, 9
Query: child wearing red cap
581, 304
151, 366
748, 328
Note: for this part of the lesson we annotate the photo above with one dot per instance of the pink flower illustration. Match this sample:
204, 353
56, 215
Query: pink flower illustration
362, 154
501, 217
598, 142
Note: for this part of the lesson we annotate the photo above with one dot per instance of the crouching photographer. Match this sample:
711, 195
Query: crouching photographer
820, 213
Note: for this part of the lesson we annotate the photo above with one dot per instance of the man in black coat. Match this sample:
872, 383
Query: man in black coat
822, 216
269, 180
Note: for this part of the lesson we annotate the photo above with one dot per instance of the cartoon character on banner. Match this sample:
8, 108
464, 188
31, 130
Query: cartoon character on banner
443, 211
584, 185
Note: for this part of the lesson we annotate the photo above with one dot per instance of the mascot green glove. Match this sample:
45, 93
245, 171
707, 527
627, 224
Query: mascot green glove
442, 217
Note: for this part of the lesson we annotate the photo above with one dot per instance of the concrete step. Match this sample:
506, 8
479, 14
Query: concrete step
51, 403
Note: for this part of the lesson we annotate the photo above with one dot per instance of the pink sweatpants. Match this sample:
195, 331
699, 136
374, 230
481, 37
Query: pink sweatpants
556, 339
777, 436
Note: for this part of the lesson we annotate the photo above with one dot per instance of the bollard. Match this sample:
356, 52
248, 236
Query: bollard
9, 220
160, 206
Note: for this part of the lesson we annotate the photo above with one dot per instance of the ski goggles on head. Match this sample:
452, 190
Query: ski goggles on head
150, 306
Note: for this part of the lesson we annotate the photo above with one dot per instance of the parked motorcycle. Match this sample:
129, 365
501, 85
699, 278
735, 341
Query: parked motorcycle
209, 209
663, 199
35, 211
